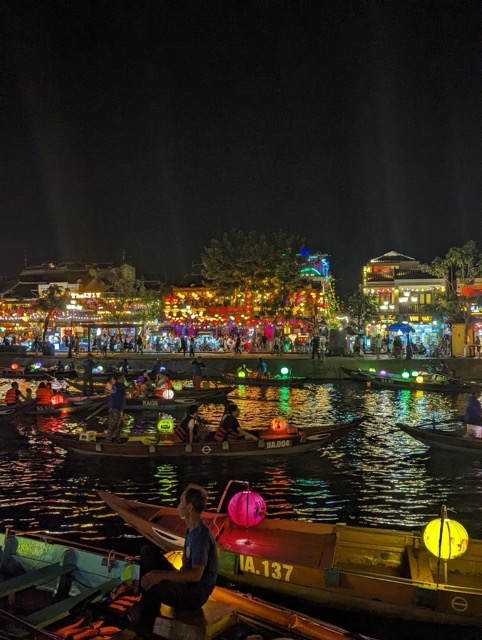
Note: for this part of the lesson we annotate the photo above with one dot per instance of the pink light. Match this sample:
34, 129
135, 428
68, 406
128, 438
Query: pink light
247, 508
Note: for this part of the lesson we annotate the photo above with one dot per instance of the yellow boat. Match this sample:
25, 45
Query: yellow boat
377, 571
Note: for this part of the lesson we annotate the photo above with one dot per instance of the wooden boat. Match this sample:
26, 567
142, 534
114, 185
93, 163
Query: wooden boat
423, 382
376, 571
74, 404
253, 381
39, 373
267, 442
355, 374
9, 411
56, 590
467, 439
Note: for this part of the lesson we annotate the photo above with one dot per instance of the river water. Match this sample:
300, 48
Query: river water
376, 476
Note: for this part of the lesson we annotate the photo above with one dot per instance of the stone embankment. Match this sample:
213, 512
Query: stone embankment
328, 368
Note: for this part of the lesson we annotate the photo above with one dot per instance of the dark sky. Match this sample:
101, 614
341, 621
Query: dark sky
153, 126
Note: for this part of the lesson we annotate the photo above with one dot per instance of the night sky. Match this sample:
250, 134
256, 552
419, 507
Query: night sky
155, 126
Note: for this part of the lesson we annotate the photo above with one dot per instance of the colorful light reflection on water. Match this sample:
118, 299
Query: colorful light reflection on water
376, 476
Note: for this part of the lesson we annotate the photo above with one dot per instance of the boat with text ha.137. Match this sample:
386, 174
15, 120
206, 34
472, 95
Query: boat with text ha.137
462, 439
385, 572
52, 589
278, 439
412, 380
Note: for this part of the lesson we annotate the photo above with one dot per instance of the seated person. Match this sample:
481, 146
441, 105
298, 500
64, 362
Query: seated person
44, 394
190, 587
14, 395
190, 429
229, 428
473, 409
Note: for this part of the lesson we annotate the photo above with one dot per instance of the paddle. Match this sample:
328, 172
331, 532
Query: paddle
97, 411
38, 633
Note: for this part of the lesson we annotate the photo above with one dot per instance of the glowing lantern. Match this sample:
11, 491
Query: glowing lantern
168, 394
175, 558
372, 370
14, 366
241, 373
382, 372
37, 365
405, 375
419, 379
57, 399
284, 371
414, 374
246, 508
278, 424
177, 385
165, 425
445, 538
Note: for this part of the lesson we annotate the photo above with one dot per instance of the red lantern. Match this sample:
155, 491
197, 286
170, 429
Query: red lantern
247, 508
278, 424
14, 366
57, 399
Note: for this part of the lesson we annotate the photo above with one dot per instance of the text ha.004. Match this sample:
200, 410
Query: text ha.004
265, 568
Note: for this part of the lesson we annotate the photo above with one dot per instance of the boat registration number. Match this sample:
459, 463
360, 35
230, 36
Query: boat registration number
276, 444
265, 568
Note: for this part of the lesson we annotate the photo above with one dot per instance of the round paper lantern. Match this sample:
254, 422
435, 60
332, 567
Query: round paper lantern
372, 370
241, 373
57, 399
445, 538
414, 374
419, 379
168, 394
14, 366
382, 372
246, 508
278, 424
165, 425
177, 385
38, 365
175, 558
405, 375
284, 371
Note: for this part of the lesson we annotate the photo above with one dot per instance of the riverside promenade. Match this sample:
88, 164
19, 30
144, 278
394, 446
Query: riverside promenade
328, 368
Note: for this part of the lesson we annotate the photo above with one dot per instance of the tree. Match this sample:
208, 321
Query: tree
362, 306
50, 301
246, 263
122, 290
460, 267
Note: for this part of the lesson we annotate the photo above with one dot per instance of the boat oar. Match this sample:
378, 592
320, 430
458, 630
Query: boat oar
97, 411
38, 633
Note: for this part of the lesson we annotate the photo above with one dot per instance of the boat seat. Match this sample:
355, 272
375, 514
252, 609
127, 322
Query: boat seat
34, 578
60, 609
202, 624
419, 564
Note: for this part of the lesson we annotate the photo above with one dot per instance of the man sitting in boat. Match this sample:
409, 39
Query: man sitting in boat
191, 429
162, 384
189, 588
44, 393
473, 408
229, 428
14, 395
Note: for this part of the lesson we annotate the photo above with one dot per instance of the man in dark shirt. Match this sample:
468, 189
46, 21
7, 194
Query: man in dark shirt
473, 409
190, 587
117, 403
88, 379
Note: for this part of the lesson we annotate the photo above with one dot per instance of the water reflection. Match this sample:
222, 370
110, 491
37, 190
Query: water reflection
375, 476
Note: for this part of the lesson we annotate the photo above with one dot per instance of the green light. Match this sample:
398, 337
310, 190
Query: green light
414, 374
284, 371
241, 373
405, 375
372, 370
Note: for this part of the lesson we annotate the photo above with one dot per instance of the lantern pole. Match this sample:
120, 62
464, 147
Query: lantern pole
443, 516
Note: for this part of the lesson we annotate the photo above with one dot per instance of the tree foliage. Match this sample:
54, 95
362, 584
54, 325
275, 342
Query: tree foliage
122, 289
361, 306
460, 267
50, 301
246, 262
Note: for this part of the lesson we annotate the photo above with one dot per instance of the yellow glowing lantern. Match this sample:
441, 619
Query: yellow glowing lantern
165, 425
419, 379
445, 538
175, 558
278, 424
168, 394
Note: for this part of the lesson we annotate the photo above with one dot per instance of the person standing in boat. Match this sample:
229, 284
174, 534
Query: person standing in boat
87, 377
197, 372
116, 402
473, 408
186, 589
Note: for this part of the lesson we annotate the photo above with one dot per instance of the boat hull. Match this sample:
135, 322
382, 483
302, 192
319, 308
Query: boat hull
313, 438
376, 571
265, 382
438, 439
